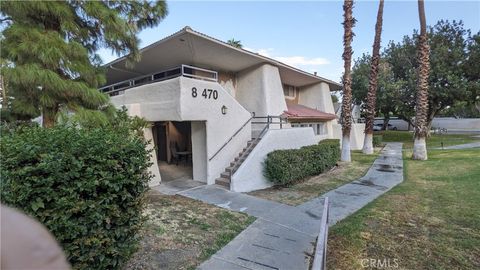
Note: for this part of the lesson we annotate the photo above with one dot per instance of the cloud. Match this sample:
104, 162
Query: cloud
264, 52
296, 61
302, 61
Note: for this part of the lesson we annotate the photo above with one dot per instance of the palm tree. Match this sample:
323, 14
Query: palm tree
421, 108
235, 43
372, 86
348, 24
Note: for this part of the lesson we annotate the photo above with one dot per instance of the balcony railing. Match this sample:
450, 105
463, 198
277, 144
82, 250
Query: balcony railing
183, 70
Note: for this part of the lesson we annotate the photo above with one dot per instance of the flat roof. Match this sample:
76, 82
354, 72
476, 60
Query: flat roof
190, 47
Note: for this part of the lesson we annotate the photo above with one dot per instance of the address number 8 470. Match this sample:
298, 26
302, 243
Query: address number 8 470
206, 93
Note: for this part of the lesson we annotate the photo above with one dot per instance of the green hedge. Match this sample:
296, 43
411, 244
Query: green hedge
284, 167
377, 140
85, 185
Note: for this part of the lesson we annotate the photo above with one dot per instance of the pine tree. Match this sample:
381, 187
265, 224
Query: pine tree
50, 50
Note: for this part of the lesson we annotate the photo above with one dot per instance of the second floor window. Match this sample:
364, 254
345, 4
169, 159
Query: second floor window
289, 91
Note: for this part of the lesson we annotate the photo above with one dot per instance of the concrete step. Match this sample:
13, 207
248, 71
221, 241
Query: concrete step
253, 142
232, 167
223, 182
225, 175
224, 179
241, 158
247, 149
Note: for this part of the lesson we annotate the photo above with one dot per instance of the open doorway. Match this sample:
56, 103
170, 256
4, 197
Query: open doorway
173, 140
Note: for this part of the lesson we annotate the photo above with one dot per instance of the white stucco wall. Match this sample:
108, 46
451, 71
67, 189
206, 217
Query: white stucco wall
316, 96
199, 151
172, 100
356, 135
228, 81
219, 127
457, 124
260, 90
148, 134
250, 174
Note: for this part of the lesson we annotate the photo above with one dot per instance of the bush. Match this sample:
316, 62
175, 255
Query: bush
284, 167
85, 185
377, 140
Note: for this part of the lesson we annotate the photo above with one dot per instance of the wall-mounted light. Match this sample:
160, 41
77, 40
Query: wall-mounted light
224, 109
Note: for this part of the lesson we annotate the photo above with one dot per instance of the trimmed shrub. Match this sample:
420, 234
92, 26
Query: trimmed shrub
85, 185
377, 140
284, 167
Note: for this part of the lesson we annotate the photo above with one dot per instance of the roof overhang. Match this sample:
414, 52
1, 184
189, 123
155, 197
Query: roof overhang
301, 113
194, 48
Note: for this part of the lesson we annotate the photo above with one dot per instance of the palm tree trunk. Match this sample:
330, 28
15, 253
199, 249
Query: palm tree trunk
421, 108
372, 86
348, 24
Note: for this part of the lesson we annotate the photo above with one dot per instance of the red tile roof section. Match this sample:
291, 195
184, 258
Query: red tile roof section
299, 112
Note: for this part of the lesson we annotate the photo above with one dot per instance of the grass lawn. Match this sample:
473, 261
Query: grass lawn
430, 221
434, 141
180, 233
317, 185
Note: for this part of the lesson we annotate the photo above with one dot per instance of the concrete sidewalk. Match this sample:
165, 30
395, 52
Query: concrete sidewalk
385, 173
283, 236
461, 146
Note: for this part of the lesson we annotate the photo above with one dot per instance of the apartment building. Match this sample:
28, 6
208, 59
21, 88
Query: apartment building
216, 110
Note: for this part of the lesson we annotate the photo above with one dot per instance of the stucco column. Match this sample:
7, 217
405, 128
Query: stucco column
148, 135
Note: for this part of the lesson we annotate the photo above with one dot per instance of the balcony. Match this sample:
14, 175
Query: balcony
183, 70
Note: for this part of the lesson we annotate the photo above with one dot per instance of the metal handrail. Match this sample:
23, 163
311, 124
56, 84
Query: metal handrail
320, 256
150, 78
260, 136
231, 137
269, 121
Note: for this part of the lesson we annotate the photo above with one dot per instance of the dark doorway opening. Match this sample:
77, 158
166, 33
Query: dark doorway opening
173, 141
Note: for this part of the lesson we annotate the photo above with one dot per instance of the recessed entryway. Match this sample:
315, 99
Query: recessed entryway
181, 150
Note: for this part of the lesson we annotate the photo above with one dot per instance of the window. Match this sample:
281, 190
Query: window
319, 128
289, 91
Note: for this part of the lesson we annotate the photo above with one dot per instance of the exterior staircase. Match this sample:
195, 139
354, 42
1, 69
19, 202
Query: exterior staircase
226, 177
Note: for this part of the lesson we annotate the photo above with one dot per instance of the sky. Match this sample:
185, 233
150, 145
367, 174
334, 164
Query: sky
304, 34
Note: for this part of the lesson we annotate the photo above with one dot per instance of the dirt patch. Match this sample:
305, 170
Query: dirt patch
180, 233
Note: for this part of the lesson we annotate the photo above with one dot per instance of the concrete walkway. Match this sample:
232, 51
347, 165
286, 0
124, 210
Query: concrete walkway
283, 236
176, 186
280, 238
462, 146
385, 173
